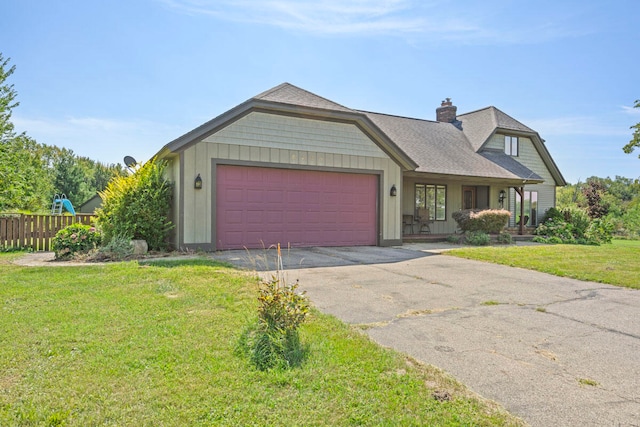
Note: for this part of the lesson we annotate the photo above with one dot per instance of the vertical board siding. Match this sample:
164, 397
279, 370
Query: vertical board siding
529, 157
273, 131
21, 231
281, 140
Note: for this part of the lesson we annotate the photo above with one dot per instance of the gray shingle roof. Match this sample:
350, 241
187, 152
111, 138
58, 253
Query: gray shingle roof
480, 124
428, 146
438, 148
512, 165
286, 93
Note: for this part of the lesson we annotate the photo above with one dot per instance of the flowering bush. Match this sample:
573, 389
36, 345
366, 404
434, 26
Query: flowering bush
76, 238
486, 221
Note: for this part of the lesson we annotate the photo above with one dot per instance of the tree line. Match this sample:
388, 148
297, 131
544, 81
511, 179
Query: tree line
32, 173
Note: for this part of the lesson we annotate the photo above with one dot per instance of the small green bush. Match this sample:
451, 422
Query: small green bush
117, 249
273, 341
454, 238
504, 238
487, 221
477, 238
75, 239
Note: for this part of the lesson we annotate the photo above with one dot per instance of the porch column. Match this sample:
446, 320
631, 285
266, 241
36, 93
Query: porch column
520, 191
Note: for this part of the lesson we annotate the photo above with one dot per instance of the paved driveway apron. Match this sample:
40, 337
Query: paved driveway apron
553, 351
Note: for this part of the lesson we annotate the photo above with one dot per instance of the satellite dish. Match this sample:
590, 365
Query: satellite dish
129, 161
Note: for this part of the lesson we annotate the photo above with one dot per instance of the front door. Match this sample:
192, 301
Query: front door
469, 197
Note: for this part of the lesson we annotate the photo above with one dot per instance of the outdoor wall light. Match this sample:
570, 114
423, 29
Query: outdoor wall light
393, 192
501, 197
197, 184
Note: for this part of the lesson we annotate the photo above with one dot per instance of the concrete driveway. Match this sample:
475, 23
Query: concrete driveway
553, 351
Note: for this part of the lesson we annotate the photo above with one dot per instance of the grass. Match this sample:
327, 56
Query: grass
153, 345
616, 264
587, 381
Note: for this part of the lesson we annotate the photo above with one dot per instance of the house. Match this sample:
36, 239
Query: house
290, 167
90, 206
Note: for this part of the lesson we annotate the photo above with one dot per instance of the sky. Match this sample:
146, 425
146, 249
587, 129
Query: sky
117, 78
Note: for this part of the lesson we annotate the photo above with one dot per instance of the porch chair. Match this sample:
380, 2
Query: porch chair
423, 221
407, 221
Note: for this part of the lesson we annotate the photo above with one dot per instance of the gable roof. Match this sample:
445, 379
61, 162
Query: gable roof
287, 93
479, 125
439, 148
288, 99
419, 145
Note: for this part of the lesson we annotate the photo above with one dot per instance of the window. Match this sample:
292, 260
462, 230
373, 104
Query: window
530, 207
434, 198
511, 145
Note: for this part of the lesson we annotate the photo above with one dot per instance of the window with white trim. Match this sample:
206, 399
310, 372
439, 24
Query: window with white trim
511, 145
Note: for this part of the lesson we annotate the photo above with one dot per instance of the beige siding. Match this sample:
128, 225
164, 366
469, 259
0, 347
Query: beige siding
272, 139
529, 157
293, 133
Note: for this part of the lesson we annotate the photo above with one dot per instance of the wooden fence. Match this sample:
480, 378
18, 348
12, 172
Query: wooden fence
35, 231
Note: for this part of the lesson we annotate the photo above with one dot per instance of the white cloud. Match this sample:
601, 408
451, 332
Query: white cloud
632, 111
101, 139
435, 20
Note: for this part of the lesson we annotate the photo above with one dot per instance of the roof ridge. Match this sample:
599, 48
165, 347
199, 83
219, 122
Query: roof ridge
478, 110
398, 116
289, 85
270, 91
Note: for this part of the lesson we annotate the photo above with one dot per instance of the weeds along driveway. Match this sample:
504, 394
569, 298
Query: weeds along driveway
554, 351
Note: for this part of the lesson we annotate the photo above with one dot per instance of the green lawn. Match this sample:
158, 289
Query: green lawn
153, 345
617, 264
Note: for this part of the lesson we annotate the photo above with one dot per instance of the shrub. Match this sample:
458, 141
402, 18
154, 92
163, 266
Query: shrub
477, 238
505, 238
573, 226
578, 219
75, 239
117, 249
555, 228
487, 221
552, 214
137, 206
273, 341
599, 231
454, 238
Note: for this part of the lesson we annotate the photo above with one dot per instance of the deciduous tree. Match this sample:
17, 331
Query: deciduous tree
635, 140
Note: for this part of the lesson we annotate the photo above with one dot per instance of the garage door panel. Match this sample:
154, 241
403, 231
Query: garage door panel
258, 207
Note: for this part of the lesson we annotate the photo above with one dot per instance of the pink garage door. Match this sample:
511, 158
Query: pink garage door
259, 207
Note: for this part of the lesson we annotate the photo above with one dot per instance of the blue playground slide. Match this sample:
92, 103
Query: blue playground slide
68, 206
59, 203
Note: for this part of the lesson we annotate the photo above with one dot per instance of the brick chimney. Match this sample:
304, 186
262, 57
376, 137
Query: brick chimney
446, 112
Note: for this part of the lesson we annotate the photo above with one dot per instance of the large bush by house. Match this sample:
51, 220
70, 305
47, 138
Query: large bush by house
137, 206
486, 221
